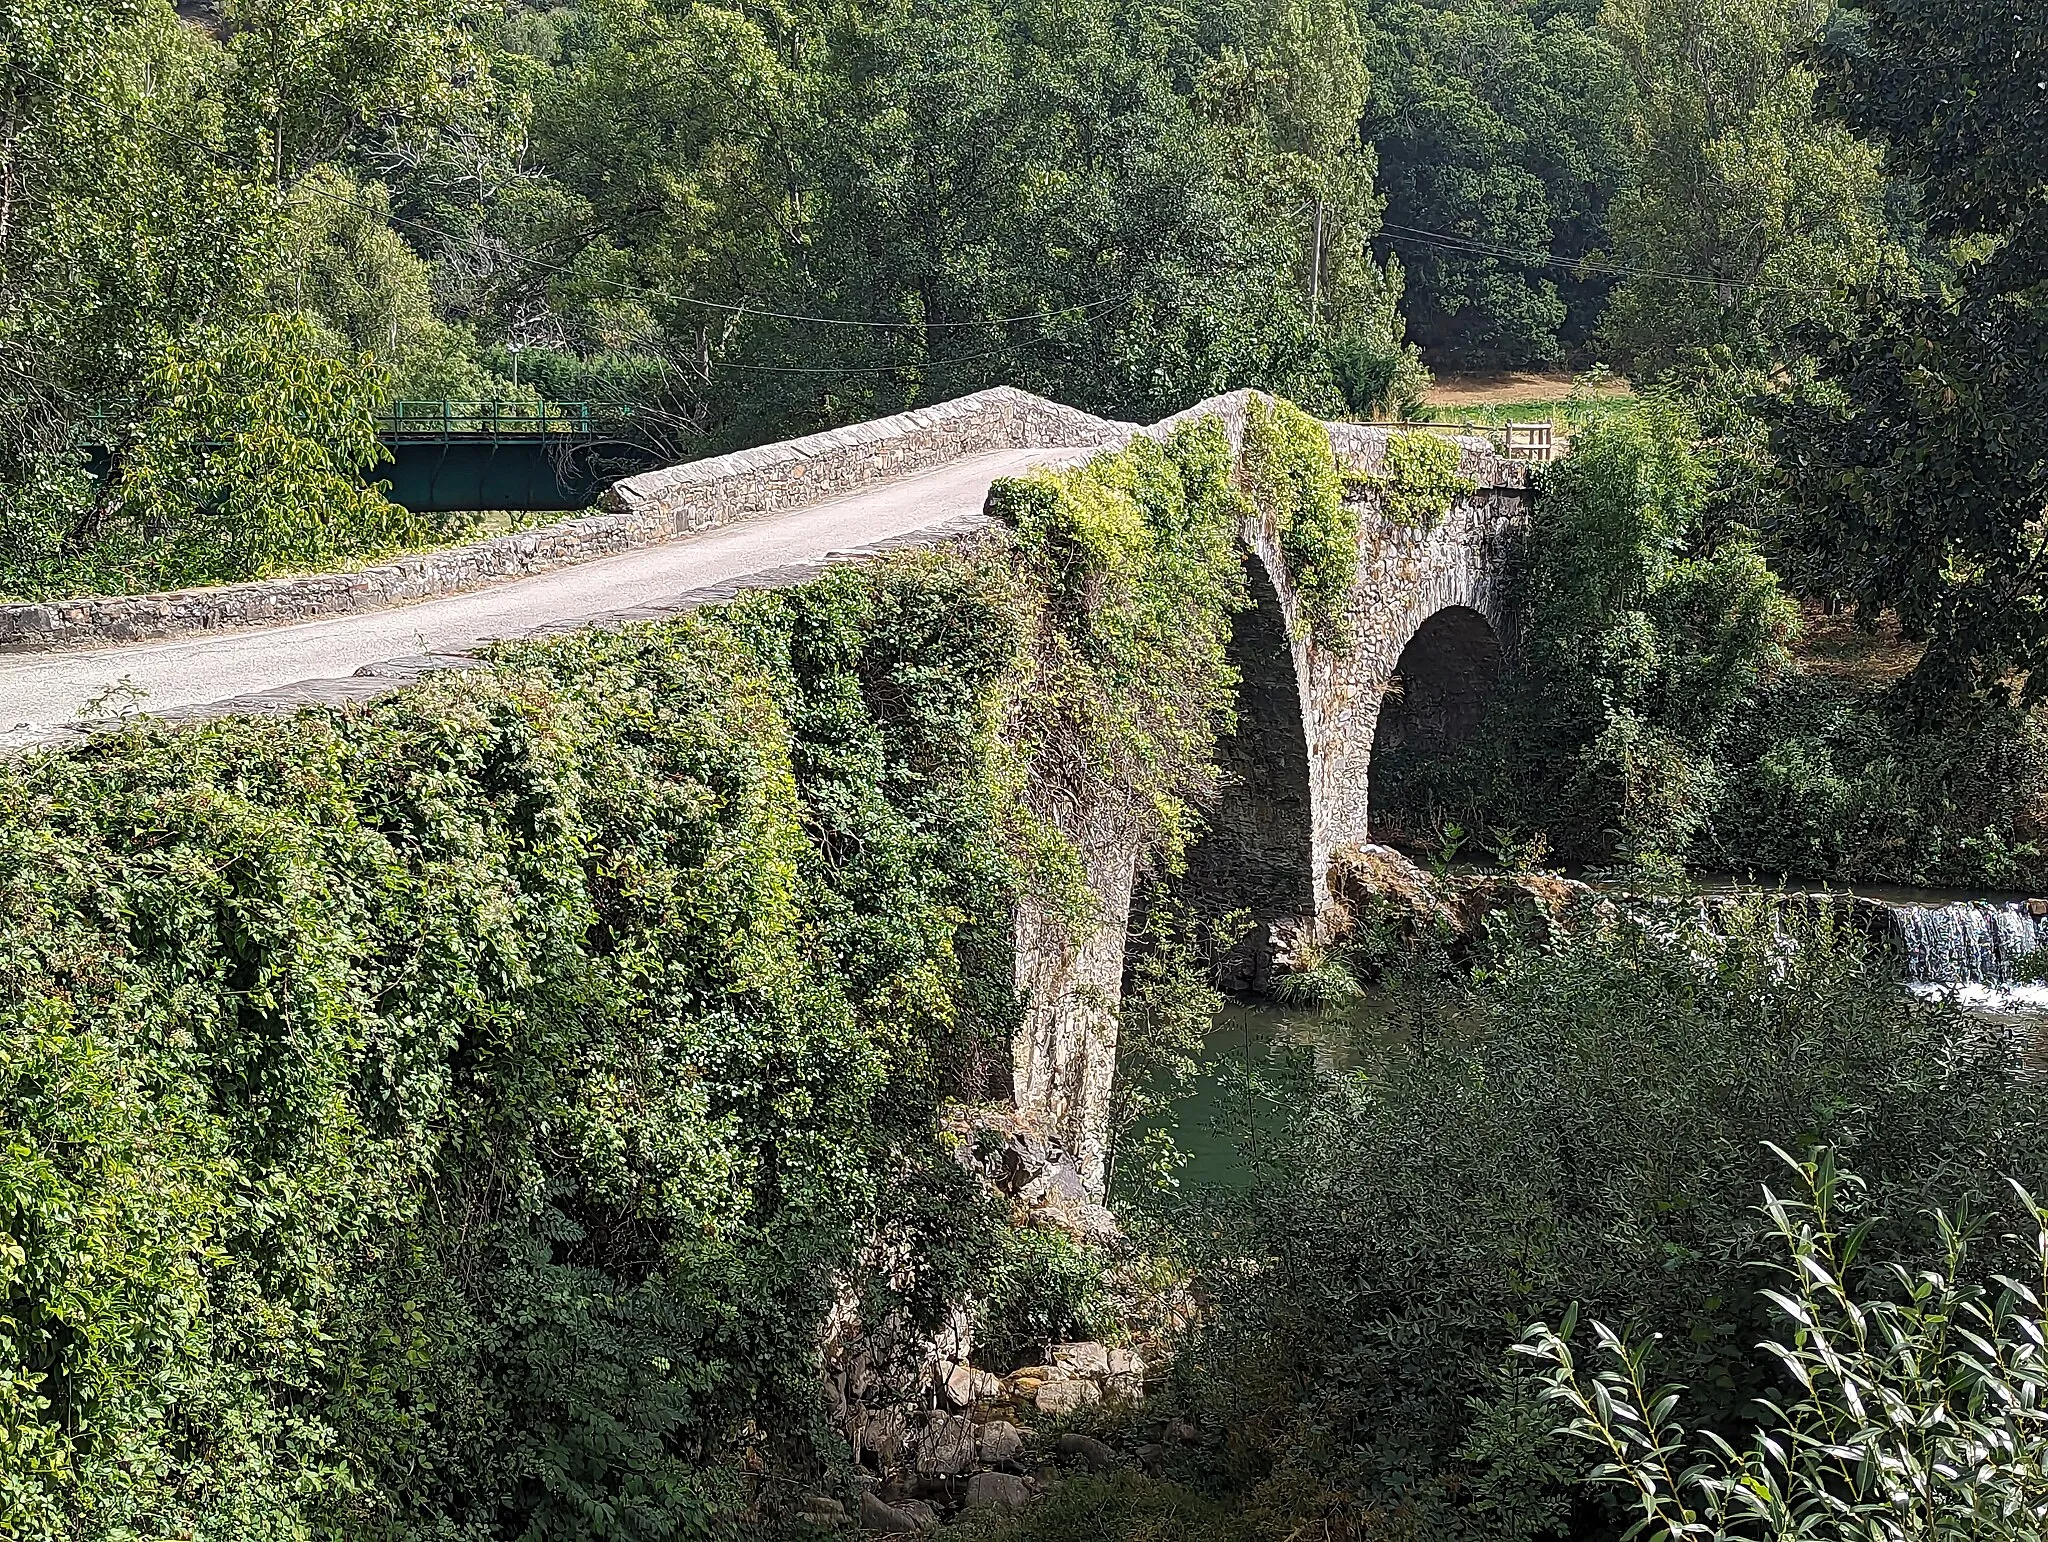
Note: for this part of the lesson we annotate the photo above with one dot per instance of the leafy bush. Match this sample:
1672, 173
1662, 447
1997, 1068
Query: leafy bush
1291, 475
1419, 480
1912, 1414
448, 1116
1041, 1288
249, 460
1578, 1122
1823, 779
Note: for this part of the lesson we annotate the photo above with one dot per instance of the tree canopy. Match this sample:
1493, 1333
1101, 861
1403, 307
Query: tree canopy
1918, 461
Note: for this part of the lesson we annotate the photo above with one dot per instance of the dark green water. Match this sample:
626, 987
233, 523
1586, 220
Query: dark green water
1260, 1059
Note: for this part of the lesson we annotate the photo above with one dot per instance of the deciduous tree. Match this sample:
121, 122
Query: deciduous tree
1919, 466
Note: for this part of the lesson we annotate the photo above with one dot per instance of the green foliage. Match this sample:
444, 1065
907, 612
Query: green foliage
1320, 977
1135, 184
1418, 480
250, 461
371, 293
150, 175
311, 75
1918, 463
1135, 557
1915, 1413
1745, 215
1581, 1121
448, 1117
1644, 644
1498, 130
1824, 780
1291, 476
1041, 1288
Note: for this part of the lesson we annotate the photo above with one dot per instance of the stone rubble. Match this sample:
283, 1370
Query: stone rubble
929, 1457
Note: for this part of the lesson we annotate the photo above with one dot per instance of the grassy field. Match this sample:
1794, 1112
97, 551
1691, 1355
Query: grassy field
1496, 400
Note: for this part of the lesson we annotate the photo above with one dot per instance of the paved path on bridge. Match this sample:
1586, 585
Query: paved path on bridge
42, 693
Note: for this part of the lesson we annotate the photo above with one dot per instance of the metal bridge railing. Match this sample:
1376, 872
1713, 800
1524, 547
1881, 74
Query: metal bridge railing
523, 422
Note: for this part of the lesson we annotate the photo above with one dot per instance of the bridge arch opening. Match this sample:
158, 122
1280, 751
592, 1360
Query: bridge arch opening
1447, 675
1256, 853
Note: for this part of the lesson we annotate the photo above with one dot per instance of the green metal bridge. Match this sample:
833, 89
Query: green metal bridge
448, 456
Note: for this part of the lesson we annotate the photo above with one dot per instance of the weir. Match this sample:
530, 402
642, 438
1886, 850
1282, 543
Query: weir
1971, 942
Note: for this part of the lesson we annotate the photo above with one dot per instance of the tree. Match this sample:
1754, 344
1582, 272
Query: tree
1918, 465
1109, 203
250, 458
369, 292
1745, 214
143, 248
318, 75
1498, 133
1645, 637
120, 228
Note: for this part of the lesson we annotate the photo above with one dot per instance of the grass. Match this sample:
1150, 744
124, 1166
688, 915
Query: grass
1121, 1507
1836, 648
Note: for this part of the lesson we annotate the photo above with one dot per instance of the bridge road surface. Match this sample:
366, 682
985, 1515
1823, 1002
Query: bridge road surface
41, 694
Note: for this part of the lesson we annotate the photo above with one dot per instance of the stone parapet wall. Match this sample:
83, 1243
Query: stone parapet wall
645, 510
97, 620
704, 493
1360, 448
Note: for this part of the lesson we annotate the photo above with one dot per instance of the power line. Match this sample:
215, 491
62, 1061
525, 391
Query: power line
890, 369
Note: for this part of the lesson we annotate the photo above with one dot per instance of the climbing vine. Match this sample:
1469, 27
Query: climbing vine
1418, 480
1133, 565
458, 1107
1292, 478
447, 1117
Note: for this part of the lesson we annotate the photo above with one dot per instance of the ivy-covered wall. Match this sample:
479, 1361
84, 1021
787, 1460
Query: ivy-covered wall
451, 1116
1133, 570
446, 1118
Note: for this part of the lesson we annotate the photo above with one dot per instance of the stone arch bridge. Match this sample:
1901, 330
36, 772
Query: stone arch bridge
1422, 643
1424, 629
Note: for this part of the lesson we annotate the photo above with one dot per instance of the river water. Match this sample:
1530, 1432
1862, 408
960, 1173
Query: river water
1260, 1055
1989, 954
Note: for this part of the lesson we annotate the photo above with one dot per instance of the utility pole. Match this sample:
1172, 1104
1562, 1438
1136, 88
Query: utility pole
1315, 266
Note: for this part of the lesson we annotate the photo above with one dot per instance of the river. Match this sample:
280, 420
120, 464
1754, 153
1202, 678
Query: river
1985, 952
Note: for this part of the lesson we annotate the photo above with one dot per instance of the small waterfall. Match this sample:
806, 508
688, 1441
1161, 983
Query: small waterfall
1977, 943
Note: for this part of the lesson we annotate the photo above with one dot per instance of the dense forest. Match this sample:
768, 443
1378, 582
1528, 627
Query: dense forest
232, 230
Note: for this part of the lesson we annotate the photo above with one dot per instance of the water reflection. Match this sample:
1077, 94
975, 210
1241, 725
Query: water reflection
1260, 1060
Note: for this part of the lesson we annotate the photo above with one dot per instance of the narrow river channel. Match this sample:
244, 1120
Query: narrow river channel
1988, 953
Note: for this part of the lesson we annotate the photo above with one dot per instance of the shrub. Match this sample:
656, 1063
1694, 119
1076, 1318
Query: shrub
1916, 1413
1041, 1288
1292, 477
449, 1116
1581, 1121
1824, 779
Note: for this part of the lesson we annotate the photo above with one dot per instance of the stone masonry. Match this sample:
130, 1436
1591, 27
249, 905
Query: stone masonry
644, 510
1298, 764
